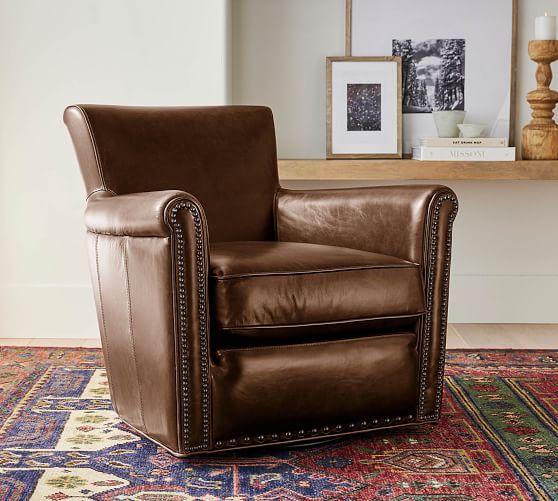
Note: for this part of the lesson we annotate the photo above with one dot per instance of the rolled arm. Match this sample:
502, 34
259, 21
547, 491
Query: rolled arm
134, 215
385, 219
149, 266
411, 222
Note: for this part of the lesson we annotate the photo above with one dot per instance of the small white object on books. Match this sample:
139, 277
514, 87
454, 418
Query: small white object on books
465, 142
446, 122
471, 130
463, 154
545, 27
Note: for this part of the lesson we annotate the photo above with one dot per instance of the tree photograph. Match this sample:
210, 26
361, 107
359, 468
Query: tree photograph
433, 74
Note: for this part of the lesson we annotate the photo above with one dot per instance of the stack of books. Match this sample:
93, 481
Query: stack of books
465, 149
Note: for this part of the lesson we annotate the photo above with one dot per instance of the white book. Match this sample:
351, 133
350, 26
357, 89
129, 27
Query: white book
464, 154
465, 142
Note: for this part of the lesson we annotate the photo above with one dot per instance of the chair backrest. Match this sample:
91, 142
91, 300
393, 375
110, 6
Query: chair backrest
223, 155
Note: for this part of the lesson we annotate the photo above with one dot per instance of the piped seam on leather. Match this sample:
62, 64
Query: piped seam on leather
154, 440
429, 249
95, 147
430, 268
93, 232
99, 190
410, 266
103, 321
176, 345
196, 214
318, 343
275, 214
321, 324
131, 329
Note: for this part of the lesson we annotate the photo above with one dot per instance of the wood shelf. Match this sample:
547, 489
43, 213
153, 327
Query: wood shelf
377, 170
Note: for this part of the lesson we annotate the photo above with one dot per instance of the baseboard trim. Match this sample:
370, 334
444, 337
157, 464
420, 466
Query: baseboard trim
505, 299
47, 311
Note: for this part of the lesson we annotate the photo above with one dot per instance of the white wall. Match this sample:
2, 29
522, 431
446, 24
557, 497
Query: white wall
170, 52
505, 266
177, 52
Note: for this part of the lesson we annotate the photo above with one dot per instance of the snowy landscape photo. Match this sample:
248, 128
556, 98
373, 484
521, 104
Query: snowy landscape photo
364, 107
465, 48
433, 74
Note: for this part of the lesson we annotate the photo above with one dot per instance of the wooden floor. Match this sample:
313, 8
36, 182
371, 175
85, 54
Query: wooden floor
513, 336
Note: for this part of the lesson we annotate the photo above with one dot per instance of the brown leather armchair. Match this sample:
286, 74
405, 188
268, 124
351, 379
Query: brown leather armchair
234, 313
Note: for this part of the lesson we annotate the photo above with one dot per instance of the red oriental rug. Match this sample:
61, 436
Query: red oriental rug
498, 440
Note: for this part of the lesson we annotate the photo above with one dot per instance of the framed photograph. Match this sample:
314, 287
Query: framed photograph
455, 56
364, 107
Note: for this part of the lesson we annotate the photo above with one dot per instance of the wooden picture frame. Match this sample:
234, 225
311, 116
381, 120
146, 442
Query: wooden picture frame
350, 10
384, 127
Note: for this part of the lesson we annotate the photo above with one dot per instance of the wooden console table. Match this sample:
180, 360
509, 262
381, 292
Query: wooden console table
377, 170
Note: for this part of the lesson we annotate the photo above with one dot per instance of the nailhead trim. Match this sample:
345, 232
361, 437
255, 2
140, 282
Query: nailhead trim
427, 334
444, 309
287, 435
183, 321
200, 266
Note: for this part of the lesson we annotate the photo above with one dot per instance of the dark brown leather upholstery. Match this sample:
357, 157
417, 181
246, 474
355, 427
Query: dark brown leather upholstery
311, 386
135, 149
336, 299
287, 289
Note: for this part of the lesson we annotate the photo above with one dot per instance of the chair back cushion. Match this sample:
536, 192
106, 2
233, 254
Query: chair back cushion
224, 155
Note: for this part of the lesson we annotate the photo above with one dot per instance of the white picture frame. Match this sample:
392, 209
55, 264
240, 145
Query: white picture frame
363, 107
487, 31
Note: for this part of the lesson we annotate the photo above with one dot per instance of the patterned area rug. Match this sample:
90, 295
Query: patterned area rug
498, 440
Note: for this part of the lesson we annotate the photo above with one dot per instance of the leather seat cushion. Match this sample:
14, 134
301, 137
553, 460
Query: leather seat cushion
270, 288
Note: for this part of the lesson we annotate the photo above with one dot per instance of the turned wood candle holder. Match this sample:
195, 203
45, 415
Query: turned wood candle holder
540, 136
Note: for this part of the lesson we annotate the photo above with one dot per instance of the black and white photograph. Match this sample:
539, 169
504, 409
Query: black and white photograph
364, 107
455, 56
433, 74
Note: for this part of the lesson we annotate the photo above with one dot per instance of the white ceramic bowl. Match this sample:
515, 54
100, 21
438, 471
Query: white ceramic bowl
446, 122
471, 130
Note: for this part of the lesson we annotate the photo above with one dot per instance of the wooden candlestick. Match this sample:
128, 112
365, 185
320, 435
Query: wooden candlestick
540, 136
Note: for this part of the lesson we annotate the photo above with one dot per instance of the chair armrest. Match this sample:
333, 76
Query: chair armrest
134, 215
411, 222
149, 266
389, 220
